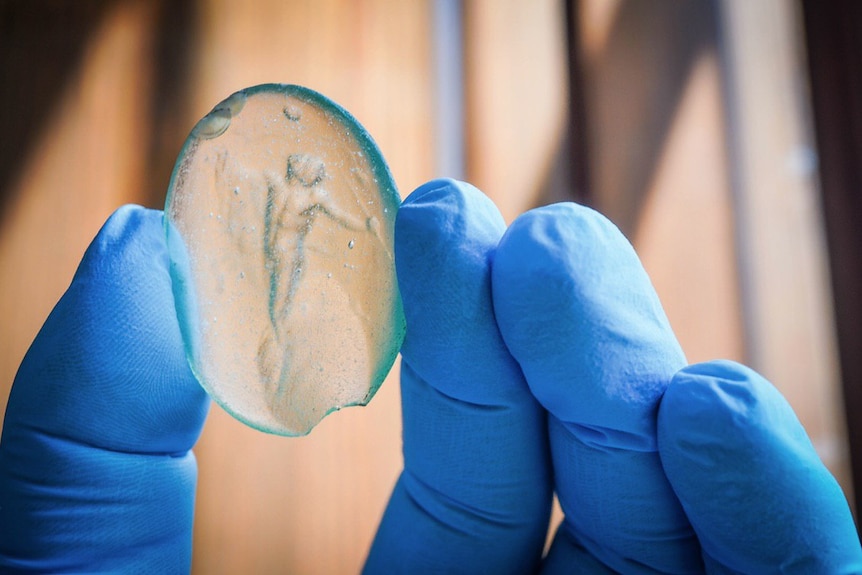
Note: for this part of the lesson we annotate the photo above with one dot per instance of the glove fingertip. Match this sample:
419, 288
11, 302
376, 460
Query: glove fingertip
129, 227
445, 234
446, 209
725, 406
748, 476
579, 313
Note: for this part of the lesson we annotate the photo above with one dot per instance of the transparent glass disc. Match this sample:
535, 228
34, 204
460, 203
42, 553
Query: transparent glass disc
280, 222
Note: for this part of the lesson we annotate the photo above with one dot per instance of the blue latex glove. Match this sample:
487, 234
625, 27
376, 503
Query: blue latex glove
96, 472
659, 468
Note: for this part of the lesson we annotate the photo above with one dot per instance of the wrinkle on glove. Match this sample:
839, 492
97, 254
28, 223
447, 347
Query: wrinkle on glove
96, 472
760, 499
475, 493
579, 314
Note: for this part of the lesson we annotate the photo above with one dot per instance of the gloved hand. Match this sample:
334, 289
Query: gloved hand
659, 468
96, 472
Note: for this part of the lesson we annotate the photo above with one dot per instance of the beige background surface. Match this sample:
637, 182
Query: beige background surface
311, 505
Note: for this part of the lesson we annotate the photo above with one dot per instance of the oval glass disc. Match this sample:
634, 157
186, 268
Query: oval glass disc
280, 221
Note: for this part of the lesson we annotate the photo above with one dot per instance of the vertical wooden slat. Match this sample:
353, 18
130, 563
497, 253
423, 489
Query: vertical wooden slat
575, 150
657, 163
637, 60
516, 97
784, 263
685, 230
834, 39
449, 95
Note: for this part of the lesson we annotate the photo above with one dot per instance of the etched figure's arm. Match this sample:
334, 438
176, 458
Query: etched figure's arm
309, 172
324, 203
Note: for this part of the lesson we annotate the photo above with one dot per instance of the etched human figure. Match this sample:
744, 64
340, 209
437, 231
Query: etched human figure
295, 200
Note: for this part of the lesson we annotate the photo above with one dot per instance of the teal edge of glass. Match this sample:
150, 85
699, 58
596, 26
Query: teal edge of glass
183, 300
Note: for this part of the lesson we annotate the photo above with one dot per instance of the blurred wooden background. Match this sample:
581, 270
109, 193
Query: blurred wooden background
698, 153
